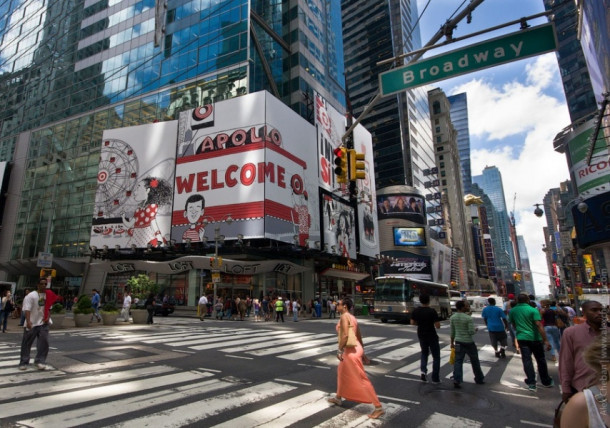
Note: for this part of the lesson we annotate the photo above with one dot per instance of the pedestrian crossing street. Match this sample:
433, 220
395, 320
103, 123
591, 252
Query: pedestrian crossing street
160, 395
392, 356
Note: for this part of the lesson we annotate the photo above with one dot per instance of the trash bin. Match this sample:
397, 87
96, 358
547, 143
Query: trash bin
365, 310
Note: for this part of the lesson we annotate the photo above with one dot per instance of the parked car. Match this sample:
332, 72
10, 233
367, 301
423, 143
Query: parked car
164, 309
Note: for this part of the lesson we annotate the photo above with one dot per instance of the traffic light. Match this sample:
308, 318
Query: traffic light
45, 273
356, 165
341, 164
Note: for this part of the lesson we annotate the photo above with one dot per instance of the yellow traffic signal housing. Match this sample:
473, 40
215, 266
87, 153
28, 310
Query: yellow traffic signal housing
356, 165
341, 164
45, 273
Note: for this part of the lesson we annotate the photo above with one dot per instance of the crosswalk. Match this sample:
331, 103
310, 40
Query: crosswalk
159, 394
399, 355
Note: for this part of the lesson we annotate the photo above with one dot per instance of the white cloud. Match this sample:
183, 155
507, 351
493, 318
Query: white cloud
523, 110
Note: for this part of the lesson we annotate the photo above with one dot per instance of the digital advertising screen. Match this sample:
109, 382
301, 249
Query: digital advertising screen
409, 236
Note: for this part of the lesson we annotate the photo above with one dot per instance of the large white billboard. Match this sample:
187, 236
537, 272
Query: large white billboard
367, 198
330, 127
134, 193
251, 160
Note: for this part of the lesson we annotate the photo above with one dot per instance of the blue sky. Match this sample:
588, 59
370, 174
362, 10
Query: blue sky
515, 111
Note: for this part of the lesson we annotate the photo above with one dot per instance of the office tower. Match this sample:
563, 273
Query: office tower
459, 118
572, 65
490, 181
527, 283
400, 124
71, 70
458, 225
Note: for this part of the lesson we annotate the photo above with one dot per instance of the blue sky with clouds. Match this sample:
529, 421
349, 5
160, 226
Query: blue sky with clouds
514, 112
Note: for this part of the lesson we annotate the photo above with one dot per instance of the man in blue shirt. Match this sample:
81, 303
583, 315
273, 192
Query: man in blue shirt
95, 304
497, 324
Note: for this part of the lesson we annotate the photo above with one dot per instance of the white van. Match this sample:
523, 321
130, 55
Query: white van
478, 303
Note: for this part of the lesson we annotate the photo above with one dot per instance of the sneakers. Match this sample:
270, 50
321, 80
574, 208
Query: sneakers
456, 385
498, 355
22, 367
550, 385
479, 382
532, 388
40, 366
502, 353
423, 377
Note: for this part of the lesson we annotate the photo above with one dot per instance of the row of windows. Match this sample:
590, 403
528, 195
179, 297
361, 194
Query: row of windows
116, 18
206, 8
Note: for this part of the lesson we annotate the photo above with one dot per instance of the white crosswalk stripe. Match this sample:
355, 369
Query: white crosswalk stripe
187, 398
160, 395
357, 417
97, 392
288, 344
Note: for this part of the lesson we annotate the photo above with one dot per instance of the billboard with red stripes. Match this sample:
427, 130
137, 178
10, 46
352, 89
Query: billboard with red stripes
246, 166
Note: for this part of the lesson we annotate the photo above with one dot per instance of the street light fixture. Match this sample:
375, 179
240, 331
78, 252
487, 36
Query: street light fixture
217, 238
573, 267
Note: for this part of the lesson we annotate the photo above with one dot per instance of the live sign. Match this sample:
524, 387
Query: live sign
501, 50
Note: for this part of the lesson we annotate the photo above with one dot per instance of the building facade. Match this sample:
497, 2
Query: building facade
72, 70
458, 226
400, 124
490, 181
459, 118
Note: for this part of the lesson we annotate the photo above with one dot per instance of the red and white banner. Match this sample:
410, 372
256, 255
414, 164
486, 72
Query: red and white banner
133, 201
249, 159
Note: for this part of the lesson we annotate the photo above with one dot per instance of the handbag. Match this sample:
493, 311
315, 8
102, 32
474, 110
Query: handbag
452, 356
352, 340
557, 417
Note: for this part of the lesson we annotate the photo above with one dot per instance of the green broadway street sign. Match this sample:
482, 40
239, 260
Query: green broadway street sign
501, 50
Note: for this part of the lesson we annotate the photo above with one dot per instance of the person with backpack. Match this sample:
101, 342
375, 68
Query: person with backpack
550, 321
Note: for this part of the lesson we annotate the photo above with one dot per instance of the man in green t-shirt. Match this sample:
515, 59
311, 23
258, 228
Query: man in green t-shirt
462, 339
532, 340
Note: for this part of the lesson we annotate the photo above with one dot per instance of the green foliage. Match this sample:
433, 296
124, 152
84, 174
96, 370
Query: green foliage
110, 307
83, 305
58, 308
141, 286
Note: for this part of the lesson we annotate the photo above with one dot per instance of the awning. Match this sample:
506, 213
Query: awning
339, 273
64, 267
182, 264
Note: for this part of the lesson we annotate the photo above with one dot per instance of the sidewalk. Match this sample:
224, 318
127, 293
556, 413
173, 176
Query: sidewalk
13, 327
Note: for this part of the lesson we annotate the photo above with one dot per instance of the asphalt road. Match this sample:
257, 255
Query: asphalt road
184, 372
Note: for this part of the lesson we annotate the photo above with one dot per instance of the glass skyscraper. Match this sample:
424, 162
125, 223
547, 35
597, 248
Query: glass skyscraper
459, 118
71, 69
572, 64
491, 183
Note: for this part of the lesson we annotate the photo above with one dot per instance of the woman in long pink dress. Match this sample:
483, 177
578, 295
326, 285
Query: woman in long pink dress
352, 381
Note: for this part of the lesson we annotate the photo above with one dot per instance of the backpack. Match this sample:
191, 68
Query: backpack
8, 307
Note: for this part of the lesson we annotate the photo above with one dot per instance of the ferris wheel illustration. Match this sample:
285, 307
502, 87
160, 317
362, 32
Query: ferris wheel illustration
117, 176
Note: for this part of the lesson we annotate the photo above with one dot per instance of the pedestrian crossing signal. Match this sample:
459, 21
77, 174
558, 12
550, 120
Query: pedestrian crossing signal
356, 165
341, 164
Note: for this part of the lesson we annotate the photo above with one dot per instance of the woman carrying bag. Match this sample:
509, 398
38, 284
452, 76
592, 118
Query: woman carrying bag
352, 381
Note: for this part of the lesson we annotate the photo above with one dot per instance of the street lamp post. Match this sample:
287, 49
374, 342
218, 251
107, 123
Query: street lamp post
574, 265
215, 267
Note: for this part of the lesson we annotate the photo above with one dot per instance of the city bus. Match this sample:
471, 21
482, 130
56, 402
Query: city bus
396, 296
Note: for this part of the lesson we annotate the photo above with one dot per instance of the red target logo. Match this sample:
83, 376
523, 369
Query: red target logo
102, 176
